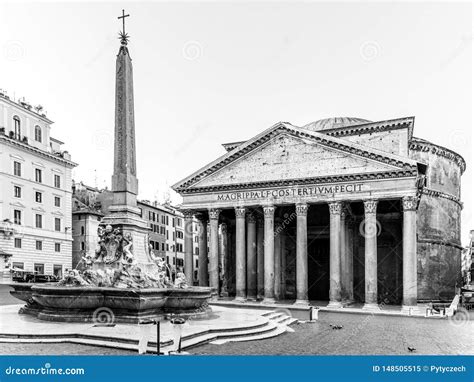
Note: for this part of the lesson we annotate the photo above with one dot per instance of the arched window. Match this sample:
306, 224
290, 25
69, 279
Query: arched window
17, 127
37, 133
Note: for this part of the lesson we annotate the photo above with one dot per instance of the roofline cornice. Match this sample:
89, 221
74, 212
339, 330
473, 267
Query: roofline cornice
36, 115
418, 144
370, 127
25, 147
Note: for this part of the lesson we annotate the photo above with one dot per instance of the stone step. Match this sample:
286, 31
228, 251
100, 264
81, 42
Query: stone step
224, 336
279, 329
287, 321
274, 315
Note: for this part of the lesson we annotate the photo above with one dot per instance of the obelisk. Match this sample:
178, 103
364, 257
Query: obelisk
123, 212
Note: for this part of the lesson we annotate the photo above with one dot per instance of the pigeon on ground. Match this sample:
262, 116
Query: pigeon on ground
410, 349
335, 327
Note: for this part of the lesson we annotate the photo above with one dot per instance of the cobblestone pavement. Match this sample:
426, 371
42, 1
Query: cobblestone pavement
360, 334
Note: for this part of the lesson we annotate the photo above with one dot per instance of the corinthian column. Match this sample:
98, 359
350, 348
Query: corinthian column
410, 294
370, 234
269, 248
214, 249
344, 265
260, 262
301, 255
251, 257
203, 274
240, 292
224, 258
335, 255
188, 246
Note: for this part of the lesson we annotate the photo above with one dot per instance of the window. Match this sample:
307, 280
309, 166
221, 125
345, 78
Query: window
39, 245
17, 191
18, 265
167, 247
57, 201
39, 268
38, 175
17, 127
83, 246
57, 181
38, 134
39, 221
162, 246
17, 216
38, 197
57, 224
58, 270
57, 247
17, 168
167, 220
83, 230
17, 242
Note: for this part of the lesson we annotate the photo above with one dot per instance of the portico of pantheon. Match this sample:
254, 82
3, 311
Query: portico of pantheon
339, 210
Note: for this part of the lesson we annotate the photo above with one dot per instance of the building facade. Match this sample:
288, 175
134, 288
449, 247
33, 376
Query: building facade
35, 197
338, 210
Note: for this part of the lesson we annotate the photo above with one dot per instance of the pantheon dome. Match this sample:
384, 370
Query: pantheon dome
332, 123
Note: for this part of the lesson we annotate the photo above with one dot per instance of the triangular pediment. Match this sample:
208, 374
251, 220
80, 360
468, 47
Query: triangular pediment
287, 152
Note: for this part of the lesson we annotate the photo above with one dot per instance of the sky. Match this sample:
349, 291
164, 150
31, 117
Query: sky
210, 73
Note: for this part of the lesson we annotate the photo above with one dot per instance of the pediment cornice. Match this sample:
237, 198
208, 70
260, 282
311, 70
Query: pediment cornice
402, 164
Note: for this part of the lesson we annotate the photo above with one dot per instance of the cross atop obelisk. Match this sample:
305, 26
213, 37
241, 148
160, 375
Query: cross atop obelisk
123, 35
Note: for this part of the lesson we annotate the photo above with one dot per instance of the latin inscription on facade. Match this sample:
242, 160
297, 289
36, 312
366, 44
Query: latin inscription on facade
291, 192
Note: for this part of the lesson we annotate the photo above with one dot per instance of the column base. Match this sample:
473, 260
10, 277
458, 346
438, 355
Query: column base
347, 302
240, 299
301, 303
334, 305
251, 298
409, 309
268, 300
371, 307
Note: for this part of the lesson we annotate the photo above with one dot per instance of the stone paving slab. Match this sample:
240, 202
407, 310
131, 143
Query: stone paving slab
15, 327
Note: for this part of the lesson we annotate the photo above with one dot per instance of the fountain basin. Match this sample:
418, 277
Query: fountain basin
53, 302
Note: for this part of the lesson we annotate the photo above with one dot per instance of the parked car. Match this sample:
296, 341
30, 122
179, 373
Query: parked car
39, 278
21, 276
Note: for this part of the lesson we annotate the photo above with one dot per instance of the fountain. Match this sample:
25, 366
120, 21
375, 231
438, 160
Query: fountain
124, 280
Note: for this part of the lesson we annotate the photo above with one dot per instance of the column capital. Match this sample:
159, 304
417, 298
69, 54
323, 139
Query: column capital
301, 209
214, 213
188, 214
251, 218
269, 211
335, 208
409, 203
240, 212
201, 217
370, 206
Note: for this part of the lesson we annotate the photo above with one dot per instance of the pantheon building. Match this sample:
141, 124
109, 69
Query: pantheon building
340, 210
